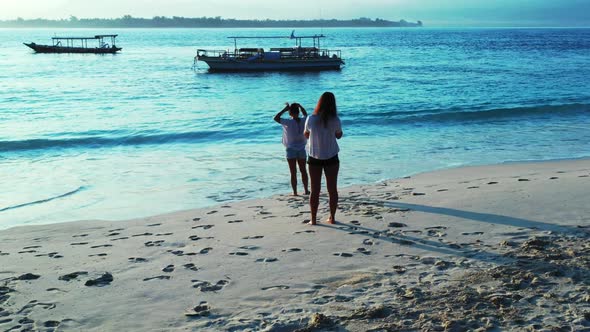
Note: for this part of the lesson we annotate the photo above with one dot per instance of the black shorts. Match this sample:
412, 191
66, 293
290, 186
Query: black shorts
323, 162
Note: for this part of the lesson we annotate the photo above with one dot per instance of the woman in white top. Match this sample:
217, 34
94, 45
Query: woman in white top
322, 129
294, 142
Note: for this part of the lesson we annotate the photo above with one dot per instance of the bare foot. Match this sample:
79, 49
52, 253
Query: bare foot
294, 194
312, 223
306, 192
331, 221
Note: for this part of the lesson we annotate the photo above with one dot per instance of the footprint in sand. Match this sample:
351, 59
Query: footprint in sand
197, 238
78, 243
291, 250
176, 252
306, 231
51, 255
415, 231
212, 212
120, 238
441, 190
154, 243
364, 251
253, 237
137, 260
28, 276
418, 194
102, 246
205, 250
267, 260
238, 253
72, 276
51, 323
154, 225
355, 222
102, 254
157, 277
472, 233
396, 224
368, 242
113, 234
201, 310
164, 234
553, 178
399, 269
142, 234
275, 287
115, 230
196, 219
191, 266
342, 254
205, 286
473, 187
522, 180
249, 247
235, 221
583, 176
81, 235
27, 251
493, 182
101, 281
436, 233
203, 226
168, 269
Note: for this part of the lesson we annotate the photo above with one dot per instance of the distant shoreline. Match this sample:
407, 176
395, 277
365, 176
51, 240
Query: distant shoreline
128, 21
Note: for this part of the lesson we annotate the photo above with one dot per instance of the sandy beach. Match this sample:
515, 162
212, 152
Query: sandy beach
490, 248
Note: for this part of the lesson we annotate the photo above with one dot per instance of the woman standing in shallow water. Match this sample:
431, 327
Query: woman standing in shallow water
322, 129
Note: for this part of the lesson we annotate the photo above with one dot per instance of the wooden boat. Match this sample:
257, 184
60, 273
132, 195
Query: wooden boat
295, 58
77, 45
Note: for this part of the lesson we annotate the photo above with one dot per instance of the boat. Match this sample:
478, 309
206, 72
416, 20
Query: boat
297, 58
78, 45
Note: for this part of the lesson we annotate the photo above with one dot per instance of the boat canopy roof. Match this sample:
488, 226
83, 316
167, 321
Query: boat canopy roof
278, 37
84, 38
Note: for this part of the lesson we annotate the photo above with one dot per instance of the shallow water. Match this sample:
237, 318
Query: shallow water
140, 133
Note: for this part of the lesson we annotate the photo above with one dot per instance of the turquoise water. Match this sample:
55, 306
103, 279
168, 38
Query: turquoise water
140, 133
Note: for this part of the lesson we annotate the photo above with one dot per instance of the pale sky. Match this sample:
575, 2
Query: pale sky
432, 12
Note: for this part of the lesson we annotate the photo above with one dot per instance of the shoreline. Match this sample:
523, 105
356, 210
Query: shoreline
493, 247
517, 162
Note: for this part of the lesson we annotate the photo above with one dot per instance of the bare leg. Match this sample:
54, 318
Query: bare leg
315, 176
332, 185
293, 170
303, 171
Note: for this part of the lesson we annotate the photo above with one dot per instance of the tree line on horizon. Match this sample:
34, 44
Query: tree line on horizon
129, 21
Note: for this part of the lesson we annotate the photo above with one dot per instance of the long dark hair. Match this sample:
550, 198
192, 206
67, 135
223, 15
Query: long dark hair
326, 108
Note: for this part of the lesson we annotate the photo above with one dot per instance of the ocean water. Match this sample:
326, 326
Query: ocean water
142, 133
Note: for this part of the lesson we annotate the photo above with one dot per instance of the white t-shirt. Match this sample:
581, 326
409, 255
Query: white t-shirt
322, 140
293, 137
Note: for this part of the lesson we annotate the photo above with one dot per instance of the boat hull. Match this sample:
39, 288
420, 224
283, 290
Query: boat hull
60, 49
230, 65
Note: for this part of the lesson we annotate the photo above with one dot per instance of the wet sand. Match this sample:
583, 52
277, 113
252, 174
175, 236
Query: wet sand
501, 247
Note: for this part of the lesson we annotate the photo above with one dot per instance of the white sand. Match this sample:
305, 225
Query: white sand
495, 247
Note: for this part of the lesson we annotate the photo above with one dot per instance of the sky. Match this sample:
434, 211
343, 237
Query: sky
431, 12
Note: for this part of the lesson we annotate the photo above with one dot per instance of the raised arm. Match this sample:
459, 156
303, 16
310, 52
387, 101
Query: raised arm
277, 117
302, 110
